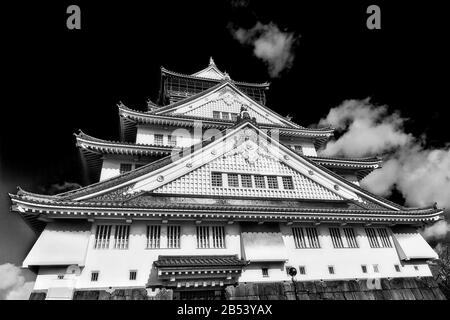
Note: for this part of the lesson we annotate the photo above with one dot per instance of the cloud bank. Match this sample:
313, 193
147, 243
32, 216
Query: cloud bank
421, 175
12, 283
270, 44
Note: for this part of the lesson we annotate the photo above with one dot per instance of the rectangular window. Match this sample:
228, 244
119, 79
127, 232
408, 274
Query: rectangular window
305, 237
416, 268
225, 116
202, 237
349, 234
287, 183
125, 167
302, 270
216, 115
272, 182
60, 277
121, 237
331, 269
260, 183
133, 275
172, 140
233, 180
102, 236
246, 181
158, 139
385, 242
94, 276
216, 179
397, 267
234, 116
218, 237
364, 268
298, 149
153, 236
173, 236
375, 268
373, 239
265, 272
336, 238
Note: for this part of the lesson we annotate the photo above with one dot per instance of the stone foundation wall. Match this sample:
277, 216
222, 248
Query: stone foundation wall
380, 289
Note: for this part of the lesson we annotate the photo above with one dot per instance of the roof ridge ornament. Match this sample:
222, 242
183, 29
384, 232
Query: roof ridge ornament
211, 61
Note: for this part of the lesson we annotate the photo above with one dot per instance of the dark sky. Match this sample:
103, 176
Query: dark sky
57, 81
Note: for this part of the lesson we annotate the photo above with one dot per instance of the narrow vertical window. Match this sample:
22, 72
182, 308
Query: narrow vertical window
287, 183
216, 179
299, 238
375, 268
94, 276
305, 237
313, 237
125, 167
153, 236
173, 236
350, 237
331, 269
385, 242
265, 272
302, 270
272, 182
233, 180
336, 238
364, 268
397, 268
218, 237
102, 236
373, 239
202, 237
133, 275
298, 149
121, 237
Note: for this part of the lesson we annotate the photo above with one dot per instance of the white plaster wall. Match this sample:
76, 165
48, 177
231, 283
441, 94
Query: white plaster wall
185, 137
308, 147
110, 168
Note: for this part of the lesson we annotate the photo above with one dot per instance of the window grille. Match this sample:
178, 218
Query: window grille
125, 167
172, 140
260, 182
225, 116
218, 237
305, 237
364, 268
373, 239
216, 115
386, 243
397, 267
159, 139
202, 237
102, 236
121, 236
153, 236
60, 277
272, 182
336, 238
302, 270
375, 268
287, 183
298, 149
246, 181
233, 180
133, 275
234, 116
173, 236
94, 276
265, 272
350, 237
331, 269
216, 179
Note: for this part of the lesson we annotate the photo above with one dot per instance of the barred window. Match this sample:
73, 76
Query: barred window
216, 179
265, 272
125, 167
216, 115
233, 180
94, 276
364, 268
373, 239
305, 237
153, 236
225, 116
331, 269
218, 237
234, 116
133, 275
397, 267
350, 237
173, 236
246, 181
287, 183
260, 182
159, 139
172, 140
302, 270
298, 149
102, 236
375, 268
386, 243
336, 238
121, 237
202, 237
272, 182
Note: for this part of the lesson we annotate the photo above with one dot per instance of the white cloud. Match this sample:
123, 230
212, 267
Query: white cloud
421, 175
12, 283
437, 231
270, 44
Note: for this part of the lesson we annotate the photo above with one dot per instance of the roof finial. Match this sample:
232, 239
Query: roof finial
226, 75
211, 61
